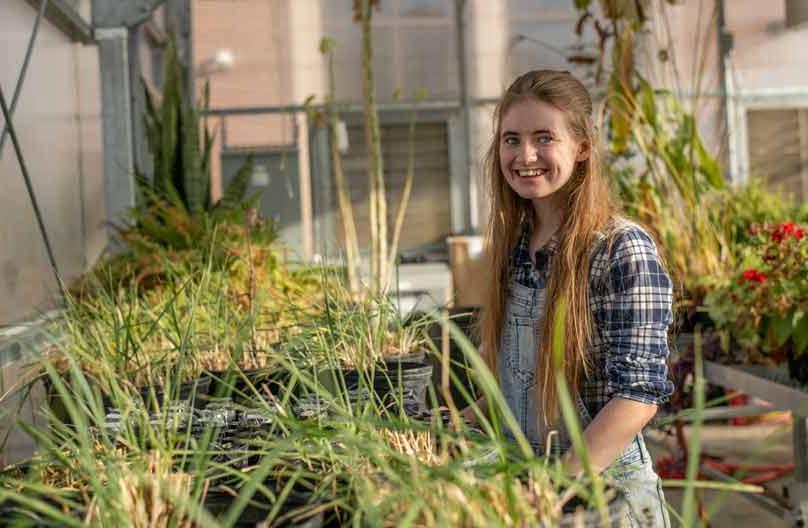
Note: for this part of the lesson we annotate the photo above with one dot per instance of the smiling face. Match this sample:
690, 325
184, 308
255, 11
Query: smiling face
537, 152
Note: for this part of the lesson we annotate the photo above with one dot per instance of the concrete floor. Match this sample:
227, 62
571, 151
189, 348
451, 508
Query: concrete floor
771, 443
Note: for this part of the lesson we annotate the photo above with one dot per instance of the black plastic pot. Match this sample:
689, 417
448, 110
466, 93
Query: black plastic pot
798, 366
237, 385
465, 318
217, 503
413, 357
195, 390
389, 379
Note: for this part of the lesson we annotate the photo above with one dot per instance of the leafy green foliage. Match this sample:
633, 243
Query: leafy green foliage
175, 219
182, 159
763, 305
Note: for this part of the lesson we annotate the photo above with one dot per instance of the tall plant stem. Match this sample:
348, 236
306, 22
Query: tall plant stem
343, 196
377, 200
405, 196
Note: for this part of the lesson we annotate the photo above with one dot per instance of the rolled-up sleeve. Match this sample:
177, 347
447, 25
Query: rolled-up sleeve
638, 313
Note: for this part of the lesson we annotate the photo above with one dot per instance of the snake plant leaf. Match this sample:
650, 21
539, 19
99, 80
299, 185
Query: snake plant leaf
194, 182
170, 120
237, 188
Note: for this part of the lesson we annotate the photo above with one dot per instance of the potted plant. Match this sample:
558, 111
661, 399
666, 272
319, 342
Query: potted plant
763, 308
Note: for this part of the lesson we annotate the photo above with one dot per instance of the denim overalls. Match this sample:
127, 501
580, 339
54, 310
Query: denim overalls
632, 471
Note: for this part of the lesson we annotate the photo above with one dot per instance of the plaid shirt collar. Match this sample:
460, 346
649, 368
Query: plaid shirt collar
522, 268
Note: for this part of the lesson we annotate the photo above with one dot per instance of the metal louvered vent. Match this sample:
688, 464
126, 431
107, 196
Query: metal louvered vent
778, 149
428, 216
796, 12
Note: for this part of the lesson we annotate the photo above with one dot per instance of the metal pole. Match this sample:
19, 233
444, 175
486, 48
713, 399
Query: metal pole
116, 116
23, 71
724, 47
468, 217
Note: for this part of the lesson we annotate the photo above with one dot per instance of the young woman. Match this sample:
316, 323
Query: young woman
554, 234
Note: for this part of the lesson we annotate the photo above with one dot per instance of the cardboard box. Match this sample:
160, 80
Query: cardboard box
468, 269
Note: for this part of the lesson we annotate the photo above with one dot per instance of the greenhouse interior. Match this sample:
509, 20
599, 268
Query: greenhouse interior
429, 263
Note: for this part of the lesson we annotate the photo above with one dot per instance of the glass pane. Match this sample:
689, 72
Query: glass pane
535, 8
535, 45
424, 8
429, 61
342, 10
348, 63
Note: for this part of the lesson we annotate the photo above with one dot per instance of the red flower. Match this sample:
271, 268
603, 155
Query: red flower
785, 230
750, 274
753, 275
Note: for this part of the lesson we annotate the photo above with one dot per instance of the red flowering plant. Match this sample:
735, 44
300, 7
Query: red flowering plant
764, 305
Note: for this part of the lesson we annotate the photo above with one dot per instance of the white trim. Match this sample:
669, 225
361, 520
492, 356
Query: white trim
745, 100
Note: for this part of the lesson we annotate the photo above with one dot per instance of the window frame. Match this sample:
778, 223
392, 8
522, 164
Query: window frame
790, 99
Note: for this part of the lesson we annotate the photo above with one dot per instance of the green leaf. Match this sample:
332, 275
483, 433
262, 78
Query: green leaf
582, 4
327, 44
781, 328
648, 103
234, 194
708, 164
800, 334
194, 182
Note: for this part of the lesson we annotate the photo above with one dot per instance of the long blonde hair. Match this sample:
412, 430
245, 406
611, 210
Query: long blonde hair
589, 210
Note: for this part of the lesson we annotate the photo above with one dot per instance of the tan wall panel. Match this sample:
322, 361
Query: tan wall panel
58, 139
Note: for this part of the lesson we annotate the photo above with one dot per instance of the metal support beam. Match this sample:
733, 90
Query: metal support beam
116, 117
64, 16
115, 13
728, 107
324, 221
114, 22
467, 202
774, 386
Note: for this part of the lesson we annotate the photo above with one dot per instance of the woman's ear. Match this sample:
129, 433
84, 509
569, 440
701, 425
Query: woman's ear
583, 151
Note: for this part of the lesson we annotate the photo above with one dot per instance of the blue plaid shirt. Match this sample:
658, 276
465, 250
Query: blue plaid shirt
630, 297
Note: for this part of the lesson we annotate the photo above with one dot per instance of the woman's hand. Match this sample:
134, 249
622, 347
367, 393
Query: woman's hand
470, 415
610, 432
